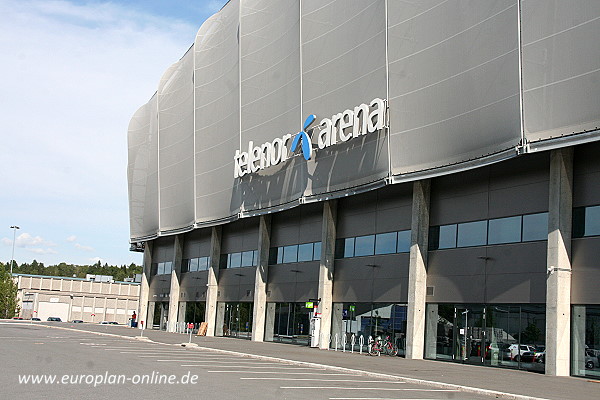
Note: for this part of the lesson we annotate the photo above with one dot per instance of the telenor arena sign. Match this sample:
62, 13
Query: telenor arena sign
341, 127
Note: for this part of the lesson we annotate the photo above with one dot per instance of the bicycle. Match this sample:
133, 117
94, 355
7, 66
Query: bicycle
378, 346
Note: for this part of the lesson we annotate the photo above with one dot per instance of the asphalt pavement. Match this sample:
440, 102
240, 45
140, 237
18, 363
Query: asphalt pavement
442, 379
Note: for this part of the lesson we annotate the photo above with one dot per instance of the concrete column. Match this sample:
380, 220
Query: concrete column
145, 285
181, 312
260, 281
417, 271
213, 279
337, 322
578, 340
328, 236
174, 293
558, 281
431, 323
220, 319
150, 316
270, 323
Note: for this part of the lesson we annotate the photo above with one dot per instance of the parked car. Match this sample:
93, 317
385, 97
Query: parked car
103, 322
35, 319
113, 323
498, 350
517, 350
54, 319
17, 317
591, 360
77, 321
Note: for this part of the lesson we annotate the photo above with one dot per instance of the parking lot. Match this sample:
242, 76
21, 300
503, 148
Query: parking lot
89, 366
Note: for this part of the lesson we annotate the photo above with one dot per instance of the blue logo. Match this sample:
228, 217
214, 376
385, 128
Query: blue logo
302, 135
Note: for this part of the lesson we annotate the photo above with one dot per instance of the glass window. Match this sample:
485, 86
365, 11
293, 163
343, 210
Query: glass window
203, 263
340, 248
317, 251
305, 252
504, 230
185, 265
364, 246
247, 258
235, 260
385, 243
255, 258
348, 247
168, 267
578, 222
290, 254
472, 234
535, 227
194, 263
592, 221
224, 261
447, 237
273, 256
403, 242
161, 269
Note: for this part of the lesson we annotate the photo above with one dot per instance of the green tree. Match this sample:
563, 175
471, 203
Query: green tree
8, 295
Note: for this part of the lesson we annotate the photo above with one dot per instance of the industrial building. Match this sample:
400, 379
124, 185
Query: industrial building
71, 299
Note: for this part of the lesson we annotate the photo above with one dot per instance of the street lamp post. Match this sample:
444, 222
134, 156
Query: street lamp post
12, 260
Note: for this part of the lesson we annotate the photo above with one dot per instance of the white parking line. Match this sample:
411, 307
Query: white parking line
324, 380
237, 366
281, 372
191, 355
366, 388
223, 362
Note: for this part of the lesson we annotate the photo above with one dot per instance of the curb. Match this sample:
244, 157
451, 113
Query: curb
424, 382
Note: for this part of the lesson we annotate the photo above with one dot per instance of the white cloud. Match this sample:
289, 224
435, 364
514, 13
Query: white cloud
71, 238
25, 240
42, 251
84, 248
94, 260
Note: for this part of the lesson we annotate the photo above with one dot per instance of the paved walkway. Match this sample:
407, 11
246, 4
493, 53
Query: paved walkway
497, 382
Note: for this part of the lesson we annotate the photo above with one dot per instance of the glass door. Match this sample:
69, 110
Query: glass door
469, 335
238, 319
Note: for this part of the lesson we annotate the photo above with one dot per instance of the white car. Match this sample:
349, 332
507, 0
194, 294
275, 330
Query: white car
517, 350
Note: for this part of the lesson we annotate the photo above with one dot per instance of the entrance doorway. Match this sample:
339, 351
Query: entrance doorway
292, 323
238, 320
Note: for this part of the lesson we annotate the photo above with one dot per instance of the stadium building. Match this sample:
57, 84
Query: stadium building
321, 172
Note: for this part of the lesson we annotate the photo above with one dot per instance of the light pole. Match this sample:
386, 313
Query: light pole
12, 260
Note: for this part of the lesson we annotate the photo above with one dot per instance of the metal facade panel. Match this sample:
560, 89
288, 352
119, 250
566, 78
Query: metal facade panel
561, 67
142, 172
343, 66
586, 271
270, 97
216, 112
176, 145
453, 81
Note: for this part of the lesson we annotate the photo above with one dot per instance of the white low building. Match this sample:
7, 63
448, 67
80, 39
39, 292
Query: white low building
76, 299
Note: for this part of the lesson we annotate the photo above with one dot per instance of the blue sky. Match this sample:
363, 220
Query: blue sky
73, 73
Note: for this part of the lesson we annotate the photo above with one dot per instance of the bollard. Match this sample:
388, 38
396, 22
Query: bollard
361, 342
352, 342
337, 339
370, 343
344, 340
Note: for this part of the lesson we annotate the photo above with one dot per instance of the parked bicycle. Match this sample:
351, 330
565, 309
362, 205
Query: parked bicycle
385, 346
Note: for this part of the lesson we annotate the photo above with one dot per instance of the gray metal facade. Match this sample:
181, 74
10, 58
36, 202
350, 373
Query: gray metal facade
466, 83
